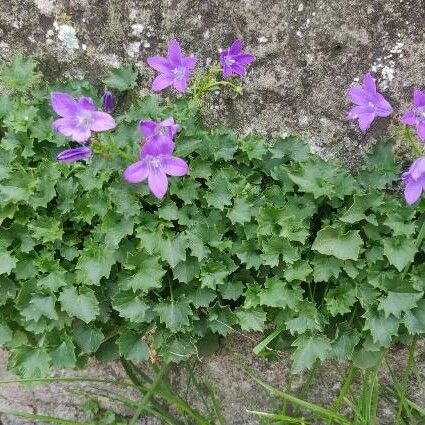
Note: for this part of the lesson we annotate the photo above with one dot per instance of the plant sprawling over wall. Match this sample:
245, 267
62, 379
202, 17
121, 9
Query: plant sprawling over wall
261, 235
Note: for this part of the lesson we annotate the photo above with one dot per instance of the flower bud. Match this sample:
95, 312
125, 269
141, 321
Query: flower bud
108, 102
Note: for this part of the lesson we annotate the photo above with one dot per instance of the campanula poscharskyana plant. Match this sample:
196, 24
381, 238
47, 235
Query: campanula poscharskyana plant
174, 70
369, 103
234, 61
79, 118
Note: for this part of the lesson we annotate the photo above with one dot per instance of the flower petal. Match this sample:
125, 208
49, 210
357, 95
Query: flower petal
412, 192
147, 128
63, 104
245, 59
358, 96
157, 146
238, 69
356, 111
174, 166
236, 47
369, 83
174, 53
365, 120
159, 63
102, 121
137, 172
86, 103
180, 85
189, 61
227, 71
418, 98
383, 107
158, 182
161, 82
75, 154
69, 127
420, 130
408, 118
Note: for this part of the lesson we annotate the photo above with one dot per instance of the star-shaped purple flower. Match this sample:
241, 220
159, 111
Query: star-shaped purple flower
79, 118
174, 70
369, 103
416, 117
414, 178
158, 135
155, 166
233, 61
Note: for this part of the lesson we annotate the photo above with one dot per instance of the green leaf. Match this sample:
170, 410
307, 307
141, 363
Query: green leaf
299, 270
7, 262
251, 320
231, 290
414, 320
365, 359
309, 349
131, 307
174, 315
203, 297
63, 356
6, 333
339, 300
380, 168
222, 320
307, 319
397, 302
20, 74
95, 264
344, 344
324, 268
121, 79
381, 328
87, 337
241, 212
173, 250
40, 306
332, 241
187, 270
148, 272
399, 251
29, 362
132, 348
82, 304
277, 294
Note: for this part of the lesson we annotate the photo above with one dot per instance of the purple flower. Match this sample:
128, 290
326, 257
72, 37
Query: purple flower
173, 70
416, 117
155, 167
158, 135
233, 61
108, 102
369, 103
75, 154
414, 178
79, 118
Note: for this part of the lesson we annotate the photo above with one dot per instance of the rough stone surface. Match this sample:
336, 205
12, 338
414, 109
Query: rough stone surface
308, 53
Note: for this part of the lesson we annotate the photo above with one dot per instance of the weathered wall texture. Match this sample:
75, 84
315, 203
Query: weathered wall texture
308, 52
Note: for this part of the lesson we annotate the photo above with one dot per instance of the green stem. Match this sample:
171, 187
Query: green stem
413, 142
344, 390
149, 394
406, 376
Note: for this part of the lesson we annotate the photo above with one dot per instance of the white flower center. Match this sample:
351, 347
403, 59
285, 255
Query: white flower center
162, 130
154, 162
229, 60
420, 113
179, 72
85, 119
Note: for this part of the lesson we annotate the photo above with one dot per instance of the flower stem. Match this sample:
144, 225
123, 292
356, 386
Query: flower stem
416, 146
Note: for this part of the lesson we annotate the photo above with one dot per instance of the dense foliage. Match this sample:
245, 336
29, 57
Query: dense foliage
262, 235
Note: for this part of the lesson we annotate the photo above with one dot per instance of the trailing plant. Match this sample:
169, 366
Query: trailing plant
259, 235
